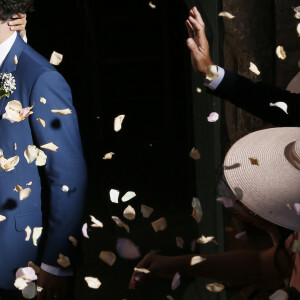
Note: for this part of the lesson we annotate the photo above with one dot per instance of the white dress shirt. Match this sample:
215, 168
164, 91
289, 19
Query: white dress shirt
4, 50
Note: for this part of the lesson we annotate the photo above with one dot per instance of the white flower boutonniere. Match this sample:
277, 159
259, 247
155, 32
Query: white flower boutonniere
8, 84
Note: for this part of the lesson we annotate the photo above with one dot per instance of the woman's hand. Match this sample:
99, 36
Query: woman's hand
18, 23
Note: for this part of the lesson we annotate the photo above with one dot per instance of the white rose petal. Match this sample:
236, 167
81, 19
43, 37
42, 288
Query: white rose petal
37, 232
43, 123
114, 195
128, 196
142, 270
212, 72
280, 105
41, 158
65, 188
129, 213
179, 242
118, 123
84, 230
108, 155
30, 291
280, 52
215, 287
96, 223
93, 282
73, 241
50, 146
253, 68
28, 233
56, 58
16, 59
213, 117
31, 153
20, 283
127, 249
43, 100
226, 14
197, 260
24, 193
153, 6
63, 112
2, 218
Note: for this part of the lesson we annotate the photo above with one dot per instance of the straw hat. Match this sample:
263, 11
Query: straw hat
263, 171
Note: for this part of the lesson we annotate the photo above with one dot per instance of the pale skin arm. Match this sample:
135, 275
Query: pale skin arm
18, 23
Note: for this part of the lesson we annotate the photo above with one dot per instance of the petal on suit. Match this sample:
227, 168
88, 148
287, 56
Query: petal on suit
56, 58
24, 194
142, 270
63, 112
37, 232
153, 6
28, 233
128, 196
31, 153
43, 100
2, 218
50, 146
43, 122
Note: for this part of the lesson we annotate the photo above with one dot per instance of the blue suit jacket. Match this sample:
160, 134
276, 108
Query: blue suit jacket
58, 212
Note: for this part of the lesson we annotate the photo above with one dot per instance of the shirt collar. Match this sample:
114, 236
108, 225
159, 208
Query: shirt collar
6, 46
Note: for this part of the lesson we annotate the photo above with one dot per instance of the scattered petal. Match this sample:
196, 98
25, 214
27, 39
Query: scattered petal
43, 123
24, 193
16, 147
146, 211
56, 58
65, 188
118, 123
2, 218
73, 241
9, 164
129, 213
254, 161
297, 208
63, 261
39, 289
153, 6
62, 112
29, 183
280, 52
20, 283
176, 281
197, 260
16, 59
120, 223
108, 155
30, 291
41, 158
127, 249
194, 154
84, 230
114, 196
31, 153
226, 14
213, 117
43, 100
240, 235
128, 196
205, 240
26, 273
197, 210
227, 202
96, 223
296, 246
159, 225
28, 233
93, 282
179, 242
50, 146
37, 232
279, 295
142, 270
253, 68
298, 29
297, 15
15, 113
34, 267
198, 90
212, 72
108, 257
280, 105
215, 287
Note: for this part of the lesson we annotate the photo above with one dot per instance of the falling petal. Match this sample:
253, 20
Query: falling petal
93, 282
34, 267
84, 230
28, 233
280, 52
142, 270
29, 183
96, 223
179, 242
9, 164
297, 208
2, 218
226, 14
253, 68
31, 153
20, 283
24, 193
118, 123
197, 260
56, 58
153, 6
43, 123
127, 249
279, 295
128, 196
16, 147
16, 59
114, 196
50, 146
240, 235
197, 210
198, 90
146, 211
39, 288
280, 105
159, 225
65, 188
205, 240
73, 241
43, 100
41, 158
254, 161
175, 281
194, 154
212, 72
215, 287
37, 232
26, 273
30, 291
227, 202
63, 261
108, 257
108, 155
120, 223
63, 112
129, 213
297, 15
213, 117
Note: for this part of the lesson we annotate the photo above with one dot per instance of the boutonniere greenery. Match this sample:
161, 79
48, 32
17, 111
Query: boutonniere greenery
8, 84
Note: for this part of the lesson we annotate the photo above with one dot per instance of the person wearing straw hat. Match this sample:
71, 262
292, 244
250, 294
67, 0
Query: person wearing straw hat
263, 171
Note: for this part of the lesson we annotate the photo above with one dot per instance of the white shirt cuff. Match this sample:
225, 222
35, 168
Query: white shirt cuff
56, 271
216, 82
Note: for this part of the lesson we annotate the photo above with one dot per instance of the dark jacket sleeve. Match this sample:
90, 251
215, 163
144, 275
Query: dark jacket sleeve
255, 98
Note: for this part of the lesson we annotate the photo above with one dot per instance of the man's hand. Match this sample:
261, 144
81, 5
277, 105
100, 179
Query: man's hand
160, 266
54, 287
197, 42
18, 23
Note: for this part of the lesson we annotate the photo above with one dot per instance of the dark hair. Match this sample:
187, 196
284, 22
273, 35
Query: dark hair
12, 7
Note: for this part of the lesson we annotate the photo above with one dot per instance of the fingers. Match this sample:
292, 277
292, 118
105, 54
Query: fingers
190, 28
18, 22
197, 16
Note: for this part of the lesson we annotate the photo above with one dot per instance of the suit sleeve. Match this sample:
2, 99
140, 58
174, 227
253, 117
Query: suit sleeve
66, 166
255, 98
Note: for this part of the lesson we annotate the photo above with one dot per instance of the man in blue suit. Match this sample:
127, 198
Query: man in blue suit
57, 195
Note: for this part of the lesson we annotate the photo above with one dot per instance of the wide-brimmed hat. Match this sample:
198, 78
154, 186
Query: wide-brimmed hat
263, 171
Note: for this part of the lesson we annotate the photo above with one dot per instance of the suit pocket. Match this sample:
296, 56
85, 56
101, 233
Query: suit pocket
32, 220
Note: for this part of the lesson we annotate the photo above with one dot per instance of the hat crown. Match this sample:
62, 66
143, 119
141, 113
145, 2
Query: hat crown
295, 154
